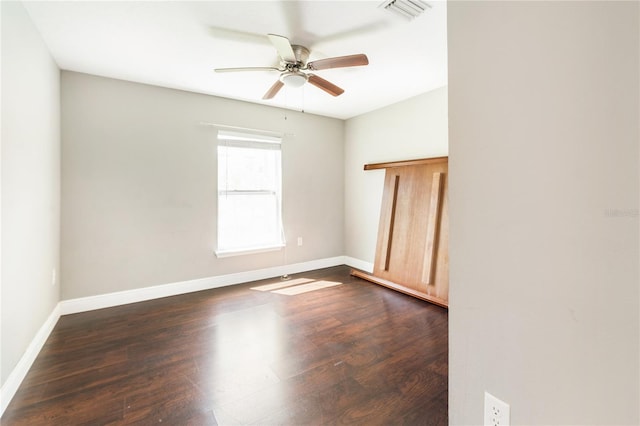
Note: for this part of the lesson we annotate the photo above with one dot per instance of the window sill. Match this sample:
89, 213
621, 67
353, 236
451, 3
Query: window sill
242, 252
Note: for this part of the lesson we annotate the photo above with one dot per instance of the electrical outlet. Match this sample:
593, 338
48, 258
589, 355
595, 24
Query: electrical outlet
299, 241
496, 412
53, 276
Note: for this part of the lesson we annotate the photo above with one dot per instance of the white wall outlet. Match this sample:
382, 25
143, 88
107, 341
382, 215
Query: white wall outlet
299, 241
53, 276
496, 412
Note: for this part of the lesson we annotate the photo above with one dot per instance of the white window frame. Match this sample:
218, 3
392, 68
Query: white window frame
246, 139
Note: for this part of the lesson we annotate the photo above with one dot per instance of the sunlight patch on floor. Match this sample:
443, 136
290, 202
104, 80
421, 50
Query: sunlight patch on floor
269, 287
297, 286
304, 288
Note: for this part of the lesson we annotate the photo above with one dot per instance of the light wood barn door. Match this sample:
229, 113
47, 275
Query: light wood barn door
412, 253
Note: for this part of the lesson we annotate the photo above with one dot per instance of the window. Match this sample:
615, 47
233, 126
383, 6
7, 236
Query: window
249, 193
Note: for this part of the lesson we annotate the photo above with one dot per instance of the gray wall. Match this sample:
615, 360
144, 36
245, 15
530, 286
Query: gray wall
139, 185
543, 118
30, 184
414, 128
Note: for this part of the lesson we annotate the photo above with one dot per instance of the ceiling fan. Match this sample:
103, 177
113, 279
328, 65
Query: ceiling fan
293, 64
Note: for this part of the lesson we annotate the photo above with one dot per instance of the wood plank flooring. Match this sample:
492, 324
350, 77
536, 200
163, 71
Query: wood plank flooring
353, 353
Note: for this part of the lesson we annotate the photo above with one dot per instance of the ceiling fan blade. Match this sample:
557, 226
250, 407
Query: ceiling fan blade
325, 85
283, 46
247, 69
239, 36
339, 62
273, 90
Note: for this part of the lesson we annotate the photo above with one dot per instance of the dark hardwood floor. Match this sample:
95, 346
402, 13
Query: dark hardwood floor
353, 353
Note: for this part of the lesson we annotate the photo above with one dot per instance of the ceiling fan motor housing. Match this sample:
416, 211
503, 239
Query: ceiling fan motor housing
292, 76
302, 54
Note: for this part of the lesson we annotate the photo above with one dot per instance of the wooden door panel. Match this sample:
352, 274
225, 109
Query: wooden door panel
412, 245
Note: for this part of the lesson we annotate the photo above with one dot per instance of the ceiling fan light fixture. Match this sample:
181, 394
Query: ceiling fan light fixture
293, 78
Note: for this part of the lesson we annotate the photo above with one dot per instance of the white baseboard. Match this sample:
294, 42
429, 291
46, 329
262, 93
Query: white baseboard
108, 300
359, 264
17, 375
83, 304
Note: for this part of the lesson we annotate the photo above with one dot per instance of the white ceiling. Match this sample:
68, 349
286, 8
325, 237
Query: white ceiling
178, 44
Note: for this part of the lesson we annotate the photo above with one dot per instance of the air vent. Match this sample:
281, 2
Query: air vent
408, 9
